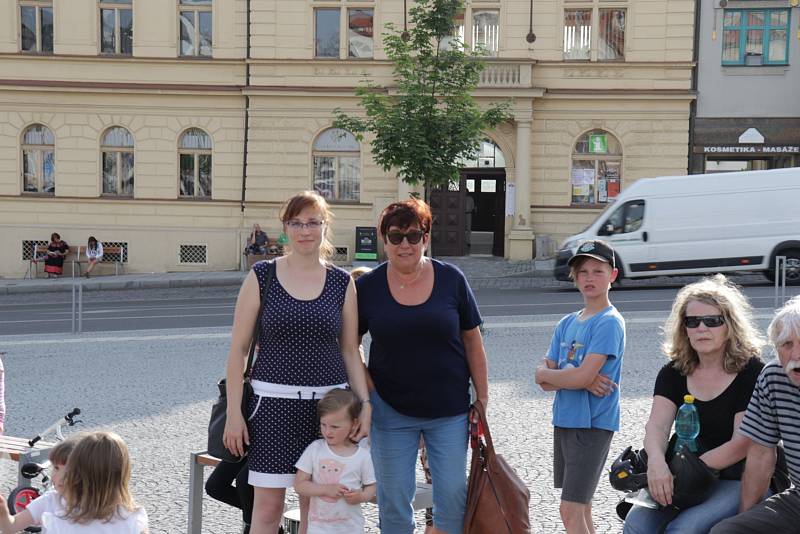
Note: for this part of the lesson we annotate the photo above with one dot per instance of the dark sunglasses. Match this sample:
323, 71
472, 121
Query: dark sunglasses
414, 237
711, 321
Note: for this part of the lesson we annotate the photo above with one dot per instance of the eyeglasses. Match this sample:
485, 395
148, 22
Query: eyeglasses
312, 224
711, 321
413, 237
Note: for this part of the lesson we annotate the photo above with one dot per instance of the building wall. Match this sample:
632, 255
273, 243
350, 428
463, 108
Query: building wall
156, 95
745, 91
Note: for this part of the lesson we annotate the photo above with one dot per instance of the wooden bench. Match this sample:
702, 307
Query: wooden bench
273, 250
40, 254
18, 450
198, 461
118, 258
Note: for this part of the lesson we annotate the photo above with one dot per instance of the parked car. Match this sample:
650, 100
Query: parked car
701, 224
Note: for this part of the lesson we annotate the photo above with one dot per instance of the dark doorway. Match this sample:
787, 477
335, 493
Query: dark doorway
447, 234
487, 188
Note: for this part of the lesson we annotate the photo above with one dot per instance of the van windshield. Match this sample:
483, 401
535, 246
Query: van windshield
602, 215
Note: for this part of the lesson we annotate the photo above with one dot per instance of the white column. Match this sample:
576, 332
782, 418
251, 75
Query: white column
522, 170
520, 238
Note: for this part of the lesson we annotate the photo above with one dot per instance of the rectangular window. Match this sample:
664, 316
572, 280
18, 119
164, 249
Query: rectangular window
116, 27
611, 38
577, 34
326, 33
196, 28
486, 30
755, 37
359, 35
36, 26
110, 173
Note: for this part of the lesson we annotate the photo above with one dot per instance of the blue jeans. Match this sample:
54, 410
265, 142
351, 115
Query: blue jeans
723, 503
394, 443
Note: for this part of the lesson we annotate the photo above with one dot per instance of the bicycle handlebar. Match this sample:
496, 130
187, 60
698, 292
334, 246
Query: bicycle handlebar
68, 420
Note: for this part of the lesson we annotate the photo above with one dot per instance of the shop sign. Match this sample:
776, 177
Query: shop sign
757, 149
598, 144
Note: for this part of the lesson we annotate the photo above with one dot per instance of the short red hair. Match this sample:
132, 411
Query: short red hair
406, 213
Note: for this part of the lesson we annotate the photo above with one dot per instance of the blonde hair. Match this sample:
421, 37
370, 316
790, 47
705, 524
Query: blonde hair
358, 272
339, 398
96, 479
59, 455
743, 340
311, 199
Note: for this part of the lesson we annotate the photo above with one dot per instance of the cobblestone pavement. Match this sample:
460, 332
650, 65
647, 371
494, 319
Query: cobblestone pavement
155, 388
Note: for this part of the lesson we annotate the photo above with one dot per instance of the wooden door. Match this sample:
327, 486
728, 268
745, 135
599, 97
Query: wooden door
448, 206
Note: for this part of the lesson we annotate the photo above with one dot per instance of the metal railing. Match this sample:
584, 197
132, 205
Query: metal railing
780, 281
77, 308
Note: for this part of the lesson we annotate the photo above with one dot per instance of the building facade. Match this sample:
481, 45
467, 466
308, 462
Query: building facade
748, 110
171, 126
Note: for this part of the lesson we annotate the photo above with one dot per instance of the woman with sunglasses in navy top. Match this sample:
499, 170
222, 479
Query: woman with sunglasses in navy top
426, 347
714, 349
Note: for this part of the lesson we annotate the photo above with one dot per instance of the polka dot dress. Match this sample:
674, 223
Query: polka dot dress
298, 346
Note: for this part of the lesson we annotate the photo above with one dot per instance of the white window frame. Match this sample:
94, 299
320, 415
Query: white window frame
118, 151
596, 159
337, 155
38, 5
196, 153
344, 7
466, 33
196, 9
595, 6
41, 149
116, 7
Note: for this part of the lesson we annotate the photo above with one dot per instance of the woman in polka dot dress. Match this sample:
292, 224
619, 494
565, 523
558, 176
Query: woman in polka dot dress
308, 345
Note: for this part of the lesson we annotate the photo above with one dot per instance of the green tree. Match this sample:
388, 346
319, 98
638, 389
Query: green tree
430, 120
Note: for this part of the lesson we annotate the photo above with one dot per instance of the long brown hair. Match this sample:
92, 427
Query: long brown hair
311, 199
743, 342
96, 479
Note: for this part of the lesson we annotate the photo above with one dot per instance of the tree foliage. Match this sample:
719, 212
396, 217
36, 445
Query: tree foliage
425, 125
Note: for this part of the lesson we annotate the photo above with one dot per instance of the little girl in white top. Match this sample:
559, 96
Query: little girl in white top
93, 495
335, 472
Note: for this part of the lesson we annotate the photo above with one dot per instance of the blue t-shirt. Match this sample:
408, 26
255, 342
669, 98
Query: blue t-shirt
417, 359
573, 339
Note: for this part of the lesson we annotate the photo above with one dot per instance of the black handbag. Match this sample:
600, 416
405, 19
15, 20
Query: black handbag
219, 410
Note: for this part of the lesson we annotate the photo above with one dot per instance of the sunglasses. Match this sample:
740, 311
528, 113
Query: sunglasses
711, 321
413, 237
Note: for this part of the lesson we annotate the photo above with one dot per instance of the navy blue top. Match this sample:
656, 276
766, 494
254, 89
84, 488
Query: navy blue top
299, 339
417, 359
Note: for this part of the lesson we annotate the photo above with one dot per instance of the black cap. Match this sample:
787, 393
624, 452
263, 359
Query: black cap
596, 249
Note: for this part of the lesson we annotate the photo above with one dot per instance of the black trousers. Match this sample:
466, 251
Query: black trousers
220, 486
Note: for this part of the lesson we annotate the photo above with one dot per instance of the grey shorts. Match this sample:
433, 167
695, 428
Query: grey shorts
579, 455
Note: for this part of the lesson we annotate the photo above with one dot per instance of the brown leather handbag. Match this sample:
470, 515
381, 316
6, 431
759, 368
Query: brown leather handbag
497, 500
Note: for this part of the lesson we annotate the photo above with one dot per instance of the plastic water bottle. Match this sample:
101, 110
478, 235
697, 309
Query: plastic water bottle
687, 425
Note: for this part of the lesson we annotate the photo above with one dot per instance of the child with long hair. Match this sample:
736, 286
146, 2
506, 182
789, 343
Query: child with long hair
32, 514
93, 496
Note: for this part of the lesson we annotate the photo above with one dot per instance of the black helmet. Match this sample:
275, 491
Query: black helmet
629, 471
694, 480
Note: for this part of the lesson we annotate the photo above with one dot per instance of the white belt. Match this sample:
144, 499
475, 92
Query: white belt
283, 391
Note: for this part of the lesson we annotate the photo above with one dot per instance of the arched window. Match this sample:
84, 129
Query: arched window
337, 165
596, 175
194, 154
488, 156
117, 148
38, 160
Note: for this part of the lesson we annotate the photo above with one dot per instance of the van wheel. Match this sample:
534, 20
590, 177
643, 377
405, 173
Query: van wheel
792, 267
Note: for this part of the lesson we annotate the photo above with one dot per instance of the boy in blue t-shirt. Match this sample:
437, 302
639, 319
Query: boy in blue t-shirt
583, 366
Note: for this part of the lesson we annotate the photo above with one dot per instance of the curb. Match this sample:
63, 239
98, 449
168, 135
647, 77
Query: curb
114, 285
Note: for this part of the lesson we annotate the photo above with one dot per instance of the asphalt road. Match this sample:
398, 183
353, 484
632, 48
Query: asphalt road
153, 309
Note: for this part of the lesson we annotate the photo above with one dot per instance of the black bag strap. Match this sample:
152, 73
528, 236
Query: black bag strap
270, 265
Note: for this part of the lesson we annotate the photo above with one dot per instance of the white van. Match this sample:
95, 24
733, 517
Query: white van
701, 223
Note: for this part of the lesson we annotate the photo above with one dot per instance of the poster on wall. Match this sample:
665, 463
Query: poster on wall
598, 144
